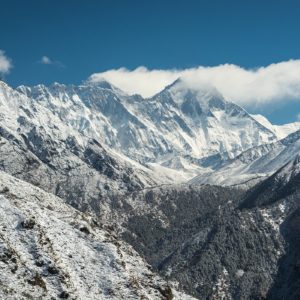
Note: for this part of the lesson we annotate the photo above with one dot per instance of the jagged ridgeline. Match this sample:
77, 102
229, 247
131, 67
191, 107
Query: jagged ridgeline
184, 191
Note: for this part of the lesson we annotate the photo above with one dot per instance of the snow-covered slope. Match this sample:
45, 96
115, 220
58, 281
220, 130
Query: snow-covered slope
281, 184
281, 131
49, 250
254, 164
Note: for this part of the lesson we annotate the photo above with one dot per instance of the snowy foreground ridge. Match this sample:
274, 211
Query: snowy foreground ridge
48, 250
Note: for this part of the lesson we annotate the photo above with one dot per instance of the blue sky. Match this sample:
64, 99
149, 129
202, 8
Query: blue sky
84, 37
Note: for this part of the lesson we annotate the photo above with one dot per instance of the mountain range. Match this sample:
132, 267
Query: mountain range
181, 195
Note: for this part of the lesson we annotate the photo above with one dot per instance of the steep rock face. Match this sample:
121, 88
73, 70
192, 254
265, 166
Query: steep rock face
50, 250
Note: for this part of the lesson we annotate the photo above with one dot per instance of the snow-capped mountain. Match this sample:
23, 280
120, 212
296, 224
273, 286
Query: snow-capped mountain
179, 131
37, 146
179, 134
203, 120
176, 135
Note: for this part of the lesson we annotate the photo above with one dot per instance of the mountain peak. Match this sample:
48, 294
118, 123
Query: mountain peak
4, 85
187, 95
181, 84
102, 83
174, 83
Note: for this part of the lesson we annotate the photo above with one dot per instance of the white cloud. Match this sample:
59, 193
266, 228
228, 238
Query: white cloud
273, 83
140, 80
45, 60
5, 63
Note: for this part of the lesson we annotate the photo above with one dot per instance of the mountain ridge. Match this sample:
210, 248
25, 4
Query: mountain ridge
147, 130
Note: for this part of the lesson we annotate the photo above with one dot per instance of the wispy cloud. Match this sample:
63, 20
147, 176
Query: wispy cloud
46, 60
273, 83
5, 63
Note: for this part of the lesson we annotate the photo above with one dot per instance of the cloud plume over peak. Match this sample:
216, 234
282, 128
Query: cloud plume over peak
141, 80
273, 83
5, 63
